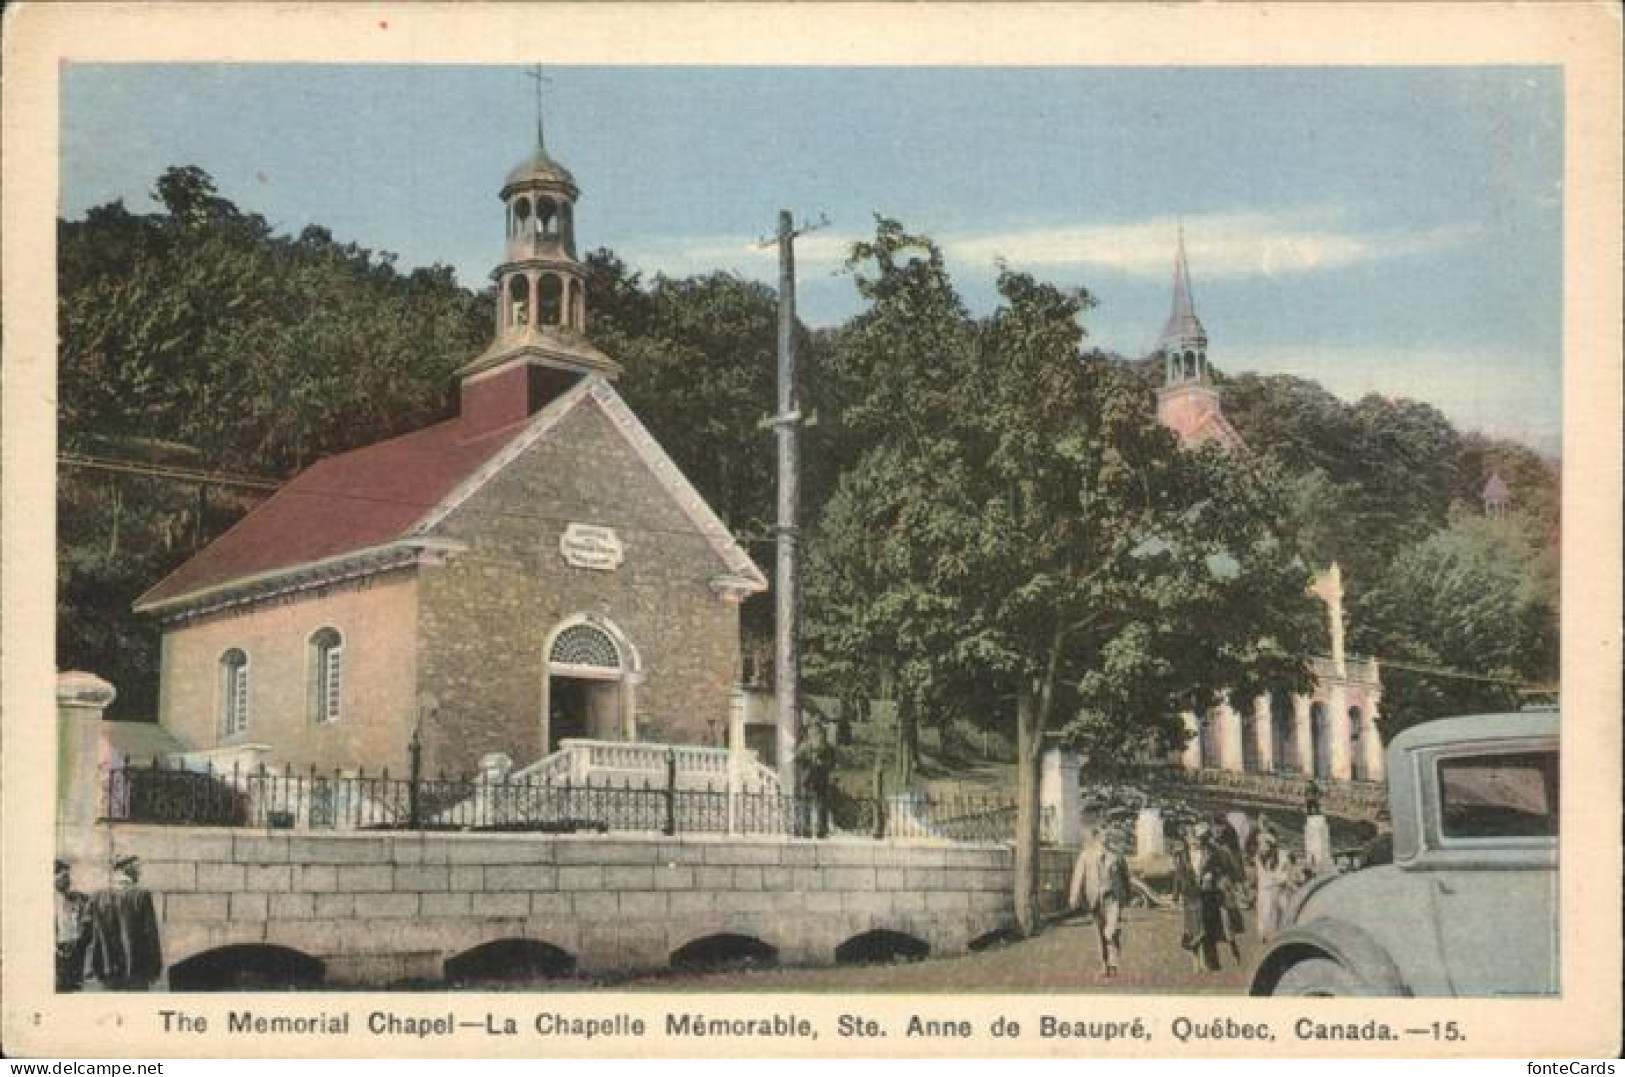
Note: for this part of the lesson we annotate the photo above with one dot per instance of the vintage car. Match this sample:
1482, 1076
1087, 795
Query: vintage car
1468, 906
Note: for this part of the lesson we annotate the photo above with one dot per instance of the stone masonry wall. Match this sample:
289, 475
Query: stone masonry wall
485, 616
378, 907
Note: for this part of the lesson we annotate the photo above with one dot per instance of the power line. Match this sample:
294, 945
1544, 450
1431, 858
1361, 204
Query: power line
192, 476
1456, 674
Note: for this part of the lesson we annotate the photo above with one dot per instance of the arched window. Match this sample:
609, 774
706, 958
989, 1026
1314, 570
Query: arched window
326, 674
233, 692
547, 219
585, 645
521, 216
518, 301
550, 301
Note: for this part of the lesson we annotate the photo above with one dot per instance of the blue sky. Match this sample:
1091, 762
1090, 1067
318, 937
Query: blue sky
1388, 230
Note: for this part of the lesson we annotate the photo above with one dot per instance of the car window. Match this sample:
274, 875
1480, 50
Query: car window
1512, 795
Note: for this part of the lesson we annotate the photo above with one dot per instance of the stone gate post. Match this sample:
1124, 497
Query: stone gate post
81, 758
1060, 800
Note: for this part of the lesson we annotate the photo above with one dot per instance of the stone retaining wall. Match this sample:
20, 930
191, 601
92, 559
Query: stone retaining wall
377, 907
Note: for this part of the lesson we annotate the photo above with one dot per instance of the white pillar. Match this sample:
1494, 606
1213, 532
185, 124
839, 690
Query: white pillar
1227, 725
1060, 800
1305, 727
1317, 845
1191, 757
1337, 728
82, 759
1148, 835
1264, 732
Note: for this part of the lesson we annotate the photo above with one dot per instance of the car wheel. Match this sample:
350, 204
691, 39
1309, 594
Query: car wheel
1319, 977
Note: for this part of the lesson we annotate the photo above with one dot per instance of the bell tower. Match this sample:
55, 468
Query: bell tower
539, 346
1187, 403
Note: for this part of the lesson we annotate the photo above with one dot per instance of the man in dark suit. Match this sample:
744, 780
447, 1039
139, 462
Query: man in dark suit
1100, 887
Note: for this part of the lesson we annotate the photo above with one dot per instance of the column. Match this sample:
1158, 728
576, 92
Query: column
1060, 801
1337, 729
1304, 735
1264, 731
81, 759
1191, 757
1227, 725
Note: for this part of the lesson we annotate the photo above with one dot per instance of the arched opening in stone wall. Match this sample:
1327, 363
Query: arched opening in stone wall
1249, 742
507, 961
881, 947
1208, 738
590, 683
1284, 734
518, 301
722, 952
248, 967
550, 300
1321, 739
1356, 752
547, 220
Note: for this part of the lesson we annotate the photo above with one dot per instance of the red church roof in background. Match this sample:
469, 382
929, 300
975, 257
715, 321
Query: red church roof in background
348, 502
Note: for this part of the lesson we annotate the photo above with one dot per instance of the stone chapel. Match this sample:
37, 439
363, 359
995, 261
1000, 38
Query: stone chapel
532, 570
1329, 733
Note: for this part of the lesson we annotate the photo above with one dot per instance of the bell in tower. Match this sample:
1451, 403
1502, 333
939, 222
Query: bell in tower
539, 349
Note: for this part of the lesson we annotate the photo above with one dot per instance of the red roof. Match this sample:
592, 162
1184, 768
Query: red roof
347, 502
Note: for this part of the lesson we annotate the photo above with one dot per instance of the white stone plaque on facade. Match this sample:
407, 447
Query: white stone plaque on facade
591, 546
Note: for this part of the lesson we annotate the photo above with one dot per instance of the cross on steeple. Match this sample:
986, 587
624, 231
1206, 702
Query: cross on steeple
536, 76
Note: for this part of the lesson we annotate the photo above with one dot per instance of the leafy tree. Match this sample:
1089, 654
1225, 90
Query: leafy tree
1477, 596
1022, 533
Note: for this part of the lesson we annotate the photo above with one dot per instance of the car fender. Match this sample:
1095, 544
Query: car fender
1338, 941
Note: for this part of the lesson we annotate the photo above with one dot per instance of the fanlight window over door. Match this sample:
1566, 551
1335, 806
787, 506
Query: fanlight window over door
586, 646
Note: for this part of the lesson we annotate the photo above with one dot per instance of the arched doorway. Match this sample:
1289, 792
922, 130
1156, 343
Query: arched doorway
588, 689
1321, 734
1283, 733
1209, 734
1356, 755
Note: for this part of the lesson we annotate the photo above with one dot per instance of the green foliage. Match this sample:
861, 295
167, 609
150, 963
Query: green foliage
198, 336
1019, 541
1477, 595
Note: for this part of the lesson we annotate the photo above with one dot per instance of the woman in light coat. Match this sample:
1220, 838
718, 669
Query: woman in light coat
1273, 868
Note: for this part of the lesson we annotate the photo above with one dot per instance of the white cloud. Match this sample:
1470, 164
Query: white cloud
1221, 245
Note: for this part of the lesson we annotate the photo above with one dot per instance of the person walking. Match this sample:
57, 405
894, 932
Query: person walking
1189, 898
1100, 887
1211, 872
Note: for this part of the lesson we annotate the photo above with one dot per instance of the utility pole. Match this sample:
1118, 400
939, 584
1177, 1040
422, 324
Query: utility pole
787, 424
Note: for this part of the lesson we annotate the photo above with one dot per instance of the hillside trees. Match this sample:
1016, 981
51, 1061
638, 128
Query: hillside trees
197, 336
1019, 536
1476, 596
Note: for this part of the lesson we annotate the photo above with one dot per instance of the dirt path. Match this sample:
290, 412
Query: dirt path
1063, 959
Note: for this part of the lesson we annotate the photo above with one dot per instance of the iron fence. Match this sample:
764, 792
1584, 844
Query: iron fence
287, 799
